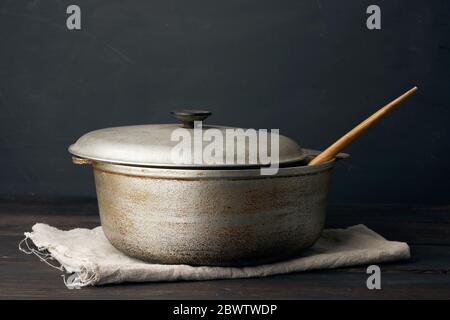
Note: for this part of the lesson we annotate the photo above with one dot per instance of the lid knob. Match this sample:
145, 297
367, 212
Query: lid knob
187, 117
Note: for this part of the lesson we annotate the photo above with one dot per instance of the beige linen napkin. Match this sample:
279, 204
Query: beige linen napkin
91, 260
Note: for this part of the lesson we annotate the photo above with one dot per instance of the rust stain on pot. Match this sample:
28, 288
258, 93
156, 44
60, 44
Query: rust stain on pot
211, 222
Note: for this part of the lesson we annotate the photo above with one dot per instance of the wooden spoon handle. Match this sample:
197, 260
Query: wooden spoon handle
353, 134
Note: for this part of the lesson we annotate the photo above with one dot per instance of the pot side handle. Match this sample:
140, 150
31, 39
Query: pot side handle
79, 161
342, 156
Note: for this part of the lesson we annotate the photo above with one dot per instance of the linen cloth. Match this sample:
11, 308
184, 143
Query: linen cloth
90, 259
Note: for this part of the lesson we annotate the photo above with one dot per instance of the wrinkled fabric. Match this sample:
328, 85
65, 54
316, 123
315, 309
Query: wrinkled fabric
90, 259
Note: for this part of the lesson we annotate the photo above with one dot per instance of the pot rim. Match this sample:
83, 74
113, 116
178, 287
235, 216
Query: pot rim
208, 174
85, 157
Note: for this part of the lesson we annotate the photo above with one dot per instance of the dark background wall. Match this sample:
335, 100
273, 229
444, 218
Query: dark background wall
310, 68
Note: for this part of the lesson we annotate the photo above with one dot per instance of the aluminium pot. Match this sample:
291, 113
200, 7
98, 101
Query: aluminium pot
161, 212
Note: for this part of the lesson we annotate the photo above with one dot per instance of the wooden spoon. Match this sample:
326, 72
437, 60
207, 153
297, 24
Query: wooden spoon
353, 134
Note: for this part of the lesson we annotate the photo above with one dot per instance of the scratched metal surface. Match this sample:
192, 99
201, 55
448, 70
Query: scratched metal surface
203, 220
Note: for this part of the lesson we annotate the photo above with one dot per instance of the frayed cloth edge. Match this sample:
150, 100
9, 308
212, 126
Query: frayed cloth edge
87, 276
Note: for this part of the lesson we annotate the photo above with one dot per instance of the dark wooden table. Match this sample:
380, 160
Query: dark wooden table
426, 275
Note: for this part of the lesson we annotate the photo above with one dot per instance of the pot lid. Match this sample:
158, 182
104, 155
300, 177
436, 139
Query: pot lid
188, 144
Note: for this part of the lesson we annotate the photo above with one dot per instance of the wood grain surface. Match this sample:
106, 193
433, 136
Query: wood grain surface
425, 276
